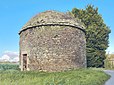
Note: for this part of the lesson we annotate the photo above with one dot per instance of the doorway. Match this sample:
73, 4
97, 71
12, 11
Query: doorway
24, 62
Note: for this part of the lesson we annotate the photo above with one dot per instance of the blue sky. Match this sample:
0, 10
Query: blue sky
15, 13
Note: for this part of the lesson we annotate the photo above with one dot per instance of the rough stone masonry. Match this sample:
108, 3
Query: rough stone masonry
52, 41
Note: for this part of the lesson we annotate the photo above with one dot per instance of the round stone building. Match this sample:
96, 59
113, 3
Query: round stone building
52, 41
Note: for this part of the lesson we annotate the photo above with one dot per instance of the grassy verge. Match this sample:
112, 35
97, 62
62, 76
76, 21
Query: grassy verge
74, 77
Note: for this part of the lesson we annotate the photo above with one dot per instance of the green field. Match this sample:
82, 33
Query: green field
9, 66
74, 77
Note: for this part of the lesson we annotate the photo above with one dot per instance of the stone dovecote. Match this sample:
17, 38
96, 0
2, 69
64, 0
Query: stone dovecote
52, 41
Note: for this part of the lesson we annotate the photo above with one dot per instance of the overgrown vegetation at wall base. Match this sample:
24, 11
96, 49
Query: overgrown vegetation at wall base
9, 67
74, 77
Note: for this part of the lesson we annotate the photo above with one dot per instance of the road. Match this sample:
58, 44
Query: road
111, 80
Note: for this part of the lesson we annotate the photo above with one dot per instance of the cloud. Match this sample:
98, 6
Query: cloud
5, 58
10, 56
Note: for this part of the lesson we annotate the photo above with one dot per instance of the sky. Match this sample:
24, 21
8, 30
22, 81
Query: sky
15, 13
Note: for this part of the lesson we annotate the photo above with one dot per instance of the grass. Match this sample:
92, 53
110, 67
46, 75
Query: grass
73, 77
9, 66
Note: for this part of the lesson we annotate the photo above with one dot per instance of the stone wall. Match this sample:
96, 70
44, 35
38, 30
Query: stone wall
54, 47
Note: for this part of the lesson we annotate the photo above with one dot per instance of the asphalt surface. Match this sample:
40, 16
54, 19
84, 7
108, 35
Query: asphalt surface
111, 80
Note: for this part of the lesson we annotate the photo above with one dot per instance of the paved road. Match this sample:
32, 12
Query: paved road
111, 80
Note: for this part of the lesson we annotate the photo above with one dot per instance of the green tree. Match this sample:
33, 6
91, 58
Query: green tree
97, 34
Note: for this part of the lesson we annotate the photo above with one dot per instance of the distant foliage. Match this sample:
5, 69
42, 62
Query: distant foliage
97, 35
109, 61
9, 67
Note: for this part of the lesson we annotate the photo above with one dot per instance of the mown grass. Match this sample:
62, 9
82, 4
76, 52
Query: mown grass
74, 77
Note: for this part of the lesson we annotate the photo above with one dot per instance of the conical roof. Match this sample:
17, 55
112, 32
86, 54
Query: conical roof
52, 18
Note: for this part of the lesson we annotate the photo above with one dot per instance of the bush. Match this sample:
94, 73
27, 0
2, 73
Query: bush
109, 61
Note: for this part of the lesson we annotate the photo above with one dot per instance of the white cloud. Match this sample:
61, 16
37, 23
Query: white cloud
10, 56
5, 58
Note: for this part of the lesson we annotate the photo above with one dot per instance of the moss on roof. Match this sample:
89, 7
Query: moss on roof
52, 18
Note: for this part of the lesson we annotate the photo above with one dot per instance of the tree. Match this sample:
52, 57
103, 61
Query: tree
97, 35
